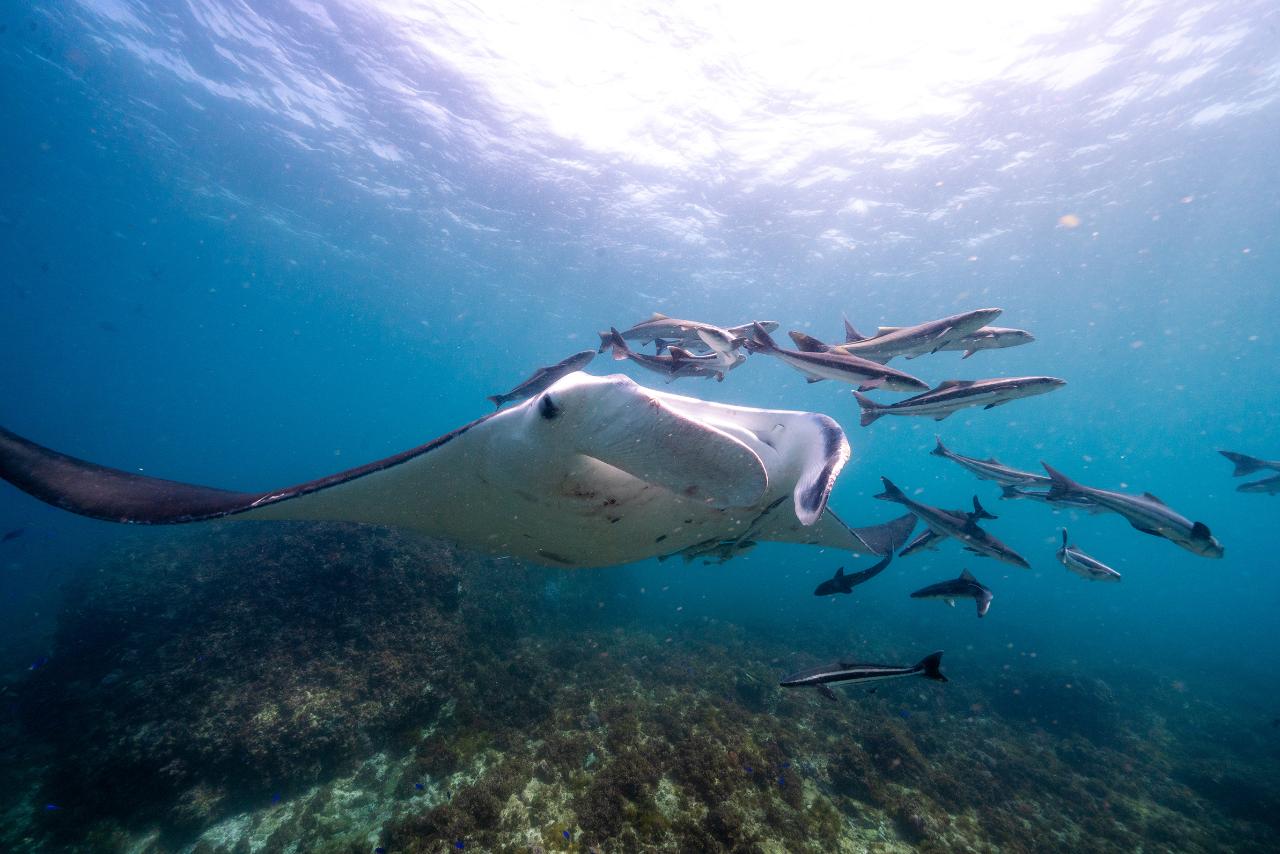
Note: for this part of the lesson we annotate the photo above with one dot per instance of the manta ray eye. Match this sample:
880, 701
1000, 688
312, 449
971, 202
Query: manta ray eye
547, 407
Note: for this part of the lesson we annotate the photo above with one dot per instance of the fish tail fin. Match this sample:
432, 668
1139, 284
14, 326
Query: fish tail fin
851, 335
661, 344
1064, 538
891, 491
931, 667
679, 354
807, 343
980, 512
620, 348
1060, 485
761, 340
870, 409
497, 400
606, 340
940, 450
1245, 464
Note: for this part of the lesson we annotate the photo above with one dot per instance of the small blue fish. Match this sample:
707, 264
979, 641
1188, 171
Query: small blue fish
39, 662
786, 765
418, 786
459, 845
904, 714
379, 850
566, 834
52, 807
749, 770
275, 798
782, 781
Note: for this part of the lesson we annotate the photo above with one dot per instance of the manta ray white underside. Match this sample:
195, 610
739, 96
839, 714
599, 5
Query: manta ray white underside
595, 471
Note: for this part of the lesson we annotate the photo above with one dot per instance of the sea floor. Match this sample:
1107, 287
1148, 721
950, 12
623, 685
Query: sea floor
312, 688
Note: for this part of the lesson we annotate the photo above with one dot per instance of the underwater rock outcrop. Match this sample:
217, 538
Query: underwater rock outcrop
214, 671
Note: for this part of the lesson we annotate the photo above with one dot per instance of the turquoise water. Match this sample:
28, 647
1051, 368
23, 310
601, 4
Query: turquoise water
248, 248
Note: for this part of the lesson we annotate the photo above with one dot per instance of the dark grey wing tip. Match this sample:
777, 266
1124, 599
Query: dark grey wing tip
110, 494
886, 538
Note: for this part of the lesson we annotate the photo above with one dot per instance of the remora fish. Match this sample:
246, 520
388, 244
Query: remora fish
930, 538
986, 338
678, 364
1071, 502
1083, 565
694, 344
841, 583
954, 395
990, 468
1268, 485
912, 341
964, 587
543, 378
848, 671
12, 535
1145, 512
660, 326
863, 373
1246, 464
963, 527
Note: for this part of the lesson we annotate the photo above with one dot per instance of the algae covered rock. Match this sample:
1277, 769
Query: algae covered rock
223, 667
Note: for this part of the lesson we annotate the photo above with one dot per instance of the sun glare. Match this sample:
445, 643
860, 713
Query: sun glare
667, 84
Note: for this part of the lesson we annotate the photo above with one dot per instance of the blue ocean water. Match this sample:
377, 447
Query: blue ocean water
248, 245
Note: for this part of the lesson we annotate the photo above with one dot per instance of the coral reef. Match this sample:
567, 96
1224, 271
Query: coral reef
346, 689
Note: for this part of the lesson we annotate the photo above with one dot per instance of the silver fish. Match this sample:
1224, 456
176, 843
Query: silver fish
848, 671
676, 365
954, 395
1246, 464
930, 538
986, 338
912, 341
719, 340
990, 468
964, 587
1145, 512
1082, 564
1266, 486
694, 344
863, 373
1066, 502
543, 378
962, 526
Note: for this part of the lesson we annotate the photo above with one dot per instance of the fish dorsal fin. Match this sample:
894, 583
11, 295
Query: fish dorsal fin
1154, 498
657, 315
993, 461
840, 572
1200, 531
966, 575
953, 384
852, 335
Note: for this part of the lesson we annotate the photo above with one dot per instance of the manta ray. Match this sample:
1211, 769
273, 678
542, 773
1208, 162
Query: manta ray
593, 471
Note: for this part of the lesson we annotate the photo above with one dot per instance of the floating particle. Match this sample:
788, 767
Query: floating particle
1069, 221
52, 807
